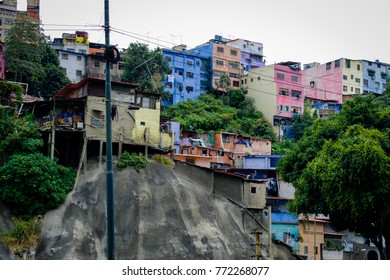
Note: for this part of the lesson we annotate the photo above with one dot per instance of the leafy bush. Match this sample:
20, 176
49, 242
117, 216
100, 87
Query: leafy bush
136, 161
32, 184
164, 160
23, 236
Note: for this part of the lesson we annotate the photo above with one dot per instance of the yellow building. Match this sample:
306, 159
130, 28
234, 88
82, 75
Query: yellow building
311, 230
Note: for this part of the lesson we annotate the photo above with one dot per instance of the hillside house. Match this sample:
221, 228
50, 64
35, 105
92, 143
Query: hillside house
79, 111
219, 150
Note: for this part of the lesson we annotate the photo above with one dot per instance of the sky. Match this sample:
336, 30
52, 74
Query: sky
302, 30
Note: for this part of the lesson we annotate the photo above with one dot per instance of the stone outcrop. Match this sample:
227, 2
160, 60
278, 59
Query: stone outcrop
159, 214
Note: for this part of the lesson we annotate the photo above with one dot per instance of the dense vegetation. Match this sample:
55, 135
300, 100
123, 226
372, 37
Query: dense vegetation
209, 113
32, 61
341, 167
136, 161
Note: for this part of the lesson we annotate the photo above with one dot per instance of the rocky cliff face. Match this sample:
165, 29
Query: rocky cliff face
159, 214
5, 226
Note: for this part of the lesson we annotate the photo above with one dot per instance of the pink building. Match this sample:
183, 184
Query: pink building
289, 90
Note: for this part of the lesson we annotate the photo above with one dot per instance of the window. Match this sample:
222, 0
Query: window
294, 78
348, 63
383, 76
345, 88
377, 85
197, 62
357, 90
296, 93
365, 82
217, 74
280, 76
357, 80
96, 64
220, 49
179, 71
358, 67
204, 75
371, 73
168, 85
79, 58
328, 65
233, 52
71, 49
168, 58
236, 83
225, 138
78, 73
64, 56
352, 89
97, 119
305, 250
83, 51
8, 21
283, 91
345, 77
283, 108
258, 78
219, 62
234, 75
145, 102
378, 65
189, 89
296, 110
190, 75
253, 189
190, 62
351, 77
233, 64
337, 63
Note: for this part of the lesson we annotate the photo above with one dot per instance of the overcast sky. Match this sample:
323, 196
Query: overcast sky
301, 30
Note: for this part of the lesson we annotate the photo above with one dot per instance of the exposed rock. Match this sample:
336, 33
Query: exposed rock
159, 214
5, 226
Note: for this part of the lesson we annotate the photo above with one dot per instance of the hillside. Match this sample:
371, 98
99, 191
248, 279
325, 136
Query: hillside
159, 215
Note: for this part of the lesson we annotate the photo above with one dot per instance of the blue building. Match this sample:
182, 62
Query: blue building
375, 76
189, 74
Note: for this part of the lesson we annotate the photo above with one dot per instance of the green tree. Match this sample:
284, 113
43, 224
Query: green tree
32, 184
341, 167
211, 114
144, 67
54, 78
23, 50
301, 122
223, 85
18, 135
31, 61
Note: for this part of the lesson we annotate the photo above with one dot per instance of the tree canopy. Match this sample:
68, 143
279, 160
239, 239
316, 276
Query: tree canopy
30, 183
144, 67
341, 167
211, 114
31, 61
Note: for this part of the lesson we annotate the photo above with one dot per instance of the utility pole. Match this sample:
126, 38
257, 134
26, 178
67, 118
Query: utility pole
109, 172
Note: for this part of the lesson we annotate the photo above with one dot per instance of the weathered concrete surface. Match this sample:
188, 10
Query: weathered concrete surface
159, 214
5, 226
